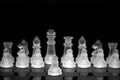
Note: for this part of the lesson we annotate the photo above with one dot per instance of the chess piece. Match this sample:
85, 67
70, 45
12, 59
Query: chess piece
22, 60
97, 44
67, 59
36, 59
54, 69
97, 58
51, 34
113, 57
82, 58
7, 59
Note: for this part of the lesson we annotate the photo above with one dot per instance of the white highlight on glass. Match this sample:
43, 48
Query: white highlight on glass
113, 59
22, 60
7, 59
82, 58
54, 69
51, 34
67, 59
97, 59
36, 59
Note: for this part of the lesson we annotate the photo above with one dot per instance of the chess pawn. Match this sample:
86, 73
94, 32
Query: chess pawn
54, 69
50, 46
36, 59
113, 60
97, 59
68, 60
82, 59
7, 59
22, 60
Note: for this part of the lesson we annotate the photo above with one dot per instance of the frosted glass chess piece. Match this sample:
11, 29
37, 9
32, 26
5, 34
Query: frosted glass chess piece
82, 58
22, 60
97, 58
113, 59
67, 59
7, 59
36, 59
97, 44
54, 69
112, 48
51, 34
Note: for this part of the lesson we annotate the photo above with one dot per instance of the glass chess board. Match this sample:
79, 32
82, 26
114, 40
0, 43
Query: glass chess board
67, 74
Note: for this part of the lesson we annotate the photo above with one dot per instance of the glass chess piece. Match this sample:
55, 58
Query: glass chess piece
67, 45
37, 78
97, 58
82, 60
22, 60
113, 59
54, 69
98, 44
7, 59
51, 34
36, 59
82, 42
112, 47
67, 59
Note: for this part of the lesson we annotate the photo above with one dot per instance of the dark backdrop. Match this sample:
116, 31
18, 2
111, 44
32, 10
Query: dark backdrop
94, 19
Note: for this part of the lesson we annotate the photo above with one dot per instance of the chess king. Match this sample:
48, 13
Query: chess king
51, 34
82, 58
22, 60
7, 59
36, 59
97, 58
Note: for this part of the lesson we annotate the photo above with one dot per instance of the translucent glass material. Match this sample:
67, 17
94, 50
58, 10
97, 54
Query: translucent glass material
97, 59
68, 60
113, 60
97, 44
50, 46
82, 42
54, 69
82, 59
36, 59
22, 60
7, 59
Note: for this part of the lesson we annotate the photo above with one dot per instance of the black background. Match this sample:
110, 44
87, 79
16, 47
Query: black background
93, 19
24, 19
